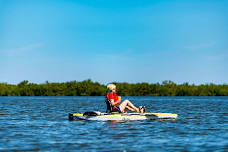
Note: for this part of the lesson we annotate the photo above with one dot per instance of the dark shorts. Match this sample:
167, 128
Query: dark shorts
117, 109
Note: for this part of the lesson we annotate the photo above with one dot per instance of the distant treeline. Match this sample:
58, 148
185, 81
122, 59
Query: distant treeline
90, 88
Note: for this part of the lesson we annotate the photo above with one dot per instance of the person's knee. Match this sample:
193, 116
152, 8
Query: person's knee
129, 102
126, 100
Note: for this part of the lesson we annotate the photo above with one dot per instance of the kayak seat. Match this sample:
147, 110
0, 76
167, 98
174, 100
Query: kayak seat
109, 106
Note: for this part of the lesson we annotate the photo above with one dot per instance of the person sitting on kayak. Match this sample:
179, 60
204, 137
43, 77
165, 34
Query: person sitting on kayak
124, 106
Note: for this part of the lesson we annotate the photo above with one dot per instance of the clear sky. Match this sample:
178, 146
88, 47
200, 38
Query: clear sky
114, 40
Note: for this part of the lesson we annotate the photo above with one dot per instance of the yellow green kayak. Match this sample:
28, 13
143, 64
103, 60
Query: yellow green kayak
95, 115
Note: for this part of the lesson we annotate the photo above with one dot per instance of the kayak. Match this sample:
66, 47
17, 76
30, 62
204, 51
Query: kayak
96, 115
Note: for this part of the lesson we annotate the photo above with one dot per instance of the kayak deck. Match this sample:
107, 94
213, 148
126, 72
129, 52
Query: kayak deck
122, 116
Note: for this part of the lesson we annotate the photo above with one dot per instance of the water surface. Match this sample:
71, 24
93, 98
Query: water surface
41, 124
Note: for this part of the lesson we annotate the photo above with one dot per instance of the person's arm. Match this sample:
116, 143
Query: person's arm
118, 101
112, 102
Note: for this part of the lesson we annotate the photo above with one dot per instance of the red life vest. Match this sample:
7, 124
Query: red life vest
112, 95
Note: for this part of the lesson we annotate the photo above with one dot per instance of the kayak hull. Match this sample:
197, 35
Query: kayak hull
122, 116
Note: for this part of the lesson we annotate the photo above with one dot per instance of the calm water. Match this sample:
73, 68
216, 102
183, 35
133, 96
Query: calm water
41, 124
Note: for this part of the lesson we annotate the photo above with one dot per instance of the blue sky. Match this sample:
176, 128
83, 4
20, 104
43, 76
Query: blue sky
114, 40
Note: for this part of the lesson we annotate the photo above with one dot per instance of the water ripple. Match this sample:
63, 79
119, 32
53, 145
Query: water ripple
40, 124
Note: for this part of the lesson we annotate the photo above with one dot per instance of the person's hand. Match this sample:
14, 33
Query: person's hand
119, 98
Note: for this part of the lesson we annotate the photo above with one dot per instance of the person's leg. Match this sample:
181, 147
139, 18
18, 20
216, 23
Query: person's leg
129, 104
128, 109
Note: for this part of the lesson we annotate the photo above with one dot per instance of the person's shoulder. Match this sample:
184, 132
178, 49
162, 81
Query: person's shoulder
109, 94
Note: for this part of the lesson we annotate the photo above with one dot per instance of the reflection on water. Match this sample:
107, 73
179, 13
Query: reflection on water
41, 124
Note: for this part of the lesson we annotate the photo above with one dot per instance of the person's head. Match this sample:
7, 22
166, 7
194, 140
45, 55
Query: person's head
111, 87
